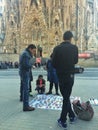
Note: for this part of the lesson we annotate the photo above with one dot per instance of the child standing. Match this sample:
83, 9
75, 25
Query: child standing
40, 84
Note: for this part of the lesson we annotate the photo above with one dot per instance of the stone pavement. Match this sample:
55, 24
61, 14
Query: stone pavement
13, 118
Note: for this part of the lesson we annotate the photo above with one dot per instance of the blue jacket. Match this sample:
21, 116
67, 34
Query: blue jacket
51, 75
25, 63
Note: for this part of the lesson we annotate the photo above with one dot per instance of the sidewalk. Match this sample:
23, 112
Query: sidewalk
13, 118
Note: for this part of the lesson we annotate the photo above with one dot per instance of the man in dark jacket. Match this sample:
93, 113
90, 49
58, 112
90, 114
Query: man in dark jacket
25, 65
64, 58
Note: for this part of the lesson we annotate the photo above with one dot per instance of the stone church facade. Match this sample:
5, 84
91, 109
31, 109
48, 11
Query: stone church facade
43, 23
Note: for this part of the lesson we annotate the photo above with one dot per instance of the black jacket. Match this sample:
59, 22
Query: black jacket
64, 58
38, 82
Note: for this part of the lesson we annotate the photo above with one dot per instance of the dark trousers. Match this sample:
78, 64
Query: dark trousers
24, 89
30, 86
51, 87
40, 90
66, 82
21, 89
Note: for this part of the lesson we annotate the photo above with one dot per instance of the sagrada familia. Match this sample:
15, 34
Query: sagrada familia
43, 23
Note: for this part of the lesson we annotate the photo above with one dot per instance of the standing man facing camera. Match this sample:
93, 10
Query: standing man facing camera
64, 58
25, 66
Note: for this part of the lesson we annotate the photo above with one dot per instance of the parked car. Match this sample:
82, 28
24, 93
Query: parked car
79, 69
85, 55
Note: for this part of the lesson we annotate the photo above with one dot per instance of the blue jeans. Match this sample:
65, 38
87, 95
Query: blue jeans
24, 89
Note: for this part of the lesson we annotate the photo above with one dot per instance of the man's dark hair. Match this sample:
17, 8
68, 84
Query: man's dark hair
67, 35
40, 76
32, 46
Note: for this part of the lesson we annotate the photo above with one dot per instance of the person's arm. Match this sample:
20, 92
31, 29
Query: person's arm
47, 63
32, 60
26, 62
53, 59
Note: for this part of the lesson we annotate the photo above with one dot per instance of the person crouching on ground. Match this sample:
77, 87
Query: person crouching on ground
40, 85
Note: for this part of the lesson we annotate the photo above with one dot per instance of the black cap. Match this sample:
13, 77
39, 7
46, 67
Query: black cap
67, 35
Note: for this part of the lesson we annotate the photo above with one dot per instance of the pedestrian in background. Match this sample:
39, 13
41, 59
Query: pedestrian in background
25, 66
64, 58
51, 77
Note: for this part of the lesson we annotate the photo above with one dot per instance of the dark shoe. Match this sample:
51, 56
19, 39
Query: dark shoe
62, 124
48, 93
21, 100
57, 94
29, 109
36, 88
72, 120
30, 94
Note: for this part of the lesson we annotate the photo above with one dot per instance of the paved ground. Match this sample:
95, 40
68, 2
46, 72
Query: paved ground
13, 118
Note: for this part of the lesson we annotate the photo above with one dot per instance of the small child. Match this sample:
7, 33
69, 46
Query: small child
40, 84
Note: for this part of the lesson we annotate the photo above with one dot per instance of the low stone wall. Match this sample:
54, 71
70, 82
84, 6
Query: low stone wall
82, 62
88, 62
9, 57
